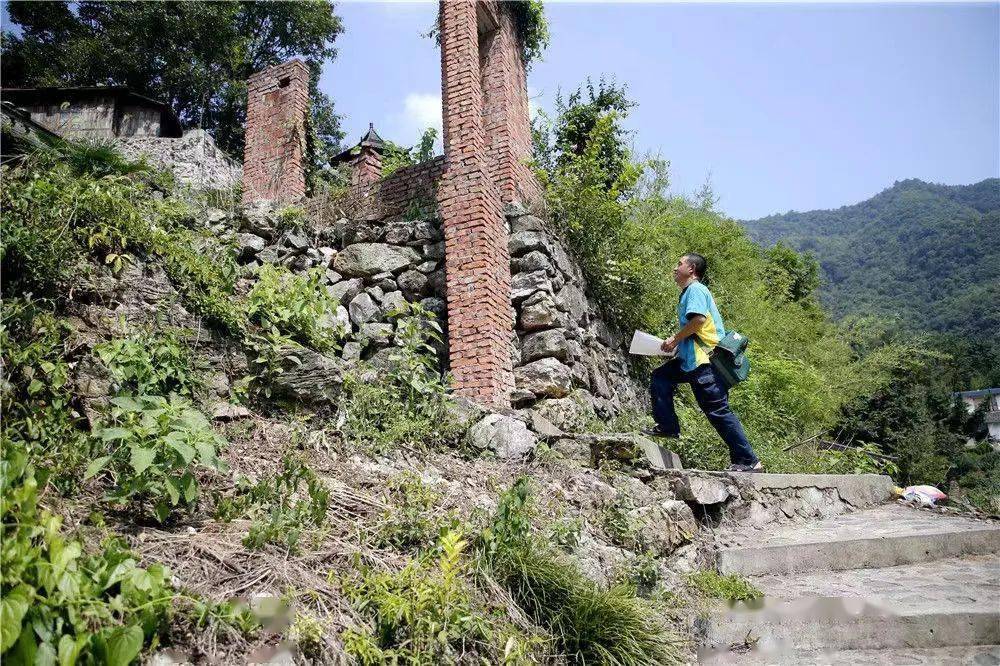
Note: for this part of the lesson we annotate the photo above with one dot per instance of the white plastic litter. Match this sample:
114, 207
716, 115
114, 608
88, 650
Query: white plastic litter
644, 344
924, 495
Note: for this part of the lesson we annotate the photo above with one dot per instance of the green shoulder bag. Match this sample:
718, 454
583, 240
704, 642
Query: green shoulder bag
729, 358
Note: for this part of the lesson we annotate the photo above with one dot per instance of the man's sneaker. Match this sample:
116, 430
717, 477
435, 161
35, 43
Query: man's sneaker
756, 467
656, 432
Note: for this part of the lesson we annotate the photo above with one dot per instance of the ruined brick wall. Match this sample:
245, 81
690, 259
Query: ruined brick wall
477, 263
274, 157
409, 188
505, 108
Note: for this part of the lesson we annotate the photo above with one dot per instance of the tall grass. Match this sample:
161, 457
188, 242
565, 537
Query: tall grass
590, 624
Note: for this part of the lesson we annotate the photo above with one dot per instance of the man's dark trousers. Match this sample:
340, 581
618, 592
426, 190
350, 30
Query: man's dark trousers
712, 397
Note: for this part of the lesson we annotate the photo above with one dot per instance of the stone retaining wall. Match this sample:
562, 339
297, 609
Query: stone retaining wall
193, 158
563, 343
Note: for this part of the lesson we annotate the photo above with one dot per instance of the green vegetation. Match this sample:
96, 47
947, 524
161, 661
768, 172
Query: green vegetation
60, 603
406, 407
590, 624
196, 57
297, 306
149, 362
155, 443
39, 418
714, 585
280, 512
424, 614
412, 520
396, 157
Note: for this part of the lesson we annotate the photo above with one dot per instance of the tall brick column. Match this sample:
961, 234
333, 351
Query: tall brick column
274, 156
477, 262
506, 118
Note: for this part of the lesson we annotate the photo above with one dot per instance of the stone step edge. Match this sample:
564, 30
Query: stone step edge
913, 630
863, 553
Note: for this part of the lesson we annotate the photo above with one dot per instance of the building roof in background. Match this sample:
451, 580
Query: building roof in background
371, 139
169, 122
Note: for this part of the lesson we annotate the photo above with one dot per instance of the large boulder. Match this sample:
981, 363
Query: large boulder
369, 259
363, 309
526, 284
546, 377
346, 290
307, 376
539, 311
568, 414
505, 435
544, 344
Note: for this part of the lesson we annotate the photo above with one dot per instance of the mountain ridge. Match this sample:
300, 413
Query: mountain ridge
925, 254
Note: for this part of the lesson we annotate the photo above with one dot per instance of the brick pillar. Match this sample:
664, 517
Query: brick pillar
506, 118
366, 168
274, 156
477, 262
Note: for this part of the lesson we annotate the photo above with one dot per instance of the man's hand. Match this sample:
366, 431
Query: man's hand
669, 344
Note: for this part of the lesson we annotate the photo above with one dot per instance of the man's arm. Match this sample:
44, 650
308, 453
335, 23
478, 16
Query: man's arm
694, 323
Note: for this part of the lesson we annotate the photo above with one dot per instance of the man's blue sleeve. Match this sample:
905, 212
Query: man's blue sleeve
697, 303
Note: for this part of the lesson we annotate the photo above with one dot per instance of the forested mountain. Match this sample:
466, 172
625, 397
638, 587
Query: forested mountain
925, 253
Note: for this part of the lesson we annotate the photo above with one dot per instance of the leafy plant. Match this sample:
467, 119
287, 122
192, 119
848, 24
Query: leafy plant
405, 404
59, 603
148, 362
36, 394
282, 506
155, 443
642, 572
294, 305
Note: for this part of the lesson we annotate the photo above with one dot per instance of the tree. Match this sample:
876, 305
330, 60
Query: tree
195, 56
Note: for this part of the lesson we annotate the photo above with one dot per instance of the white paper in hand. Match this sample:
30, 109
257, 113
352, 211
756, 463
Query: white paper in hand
644, 344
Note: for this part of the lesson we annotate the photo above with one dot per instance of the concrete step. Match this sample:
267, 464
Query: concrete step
885, 536
963, 655
858, 490
950, 602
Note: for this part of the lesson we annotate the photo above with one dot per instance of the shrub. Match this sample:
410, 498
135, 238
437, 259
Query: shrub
148, 362
155, 443
36, 394
424, 614
294, 305
406, 403
412, 522
591, 625
59, 603
279, 511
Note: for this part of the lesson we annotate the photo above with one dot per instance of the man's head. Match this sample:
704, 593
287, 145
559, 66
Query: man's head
690, 266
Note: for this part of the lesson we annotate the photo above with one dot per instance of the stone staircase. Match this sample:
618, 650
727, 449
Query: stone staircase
888, 584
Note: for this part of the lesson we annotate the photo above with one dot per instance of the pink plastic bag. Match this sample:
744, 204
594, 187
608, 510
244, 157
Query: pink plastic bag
924, 495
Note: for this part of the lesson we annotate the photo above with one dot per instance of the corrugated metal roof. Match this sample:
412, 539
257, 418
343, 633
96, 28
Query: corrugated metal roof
981, 393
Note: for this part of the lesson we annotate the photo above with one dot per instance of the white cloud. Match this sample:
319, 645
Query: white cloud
420, 111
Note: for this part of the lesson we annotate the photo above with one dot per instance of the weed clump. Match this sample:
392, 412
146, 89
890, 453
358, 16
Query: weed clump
60, 603
591, 625
282, 506
730, 587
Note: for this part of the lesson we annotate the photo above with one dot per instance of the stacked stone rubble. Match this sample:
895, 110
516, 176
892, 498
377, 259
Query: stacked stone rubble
371, 268
563, 343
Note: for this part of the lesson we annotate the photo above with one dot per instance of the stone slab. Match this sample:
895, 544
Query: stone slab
963, 655
858, 490
885, 536
928, 605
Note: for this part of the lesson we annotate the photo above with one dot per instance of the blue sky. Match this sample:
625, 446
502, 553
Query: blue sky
785, 106
788, 107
